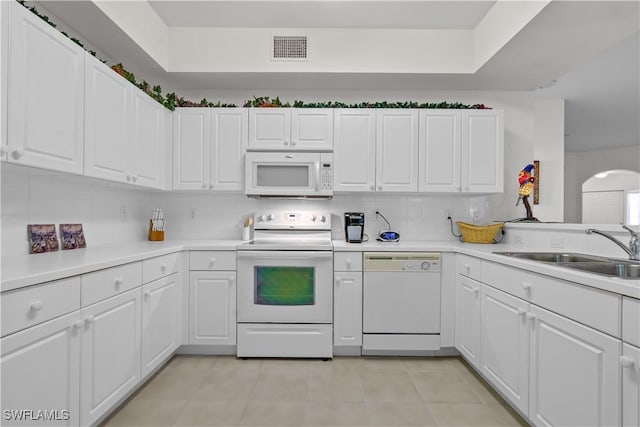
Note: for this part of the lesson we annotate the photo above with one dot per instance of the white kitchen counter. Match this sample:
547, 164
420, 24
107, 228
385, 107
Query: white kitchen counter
25, 270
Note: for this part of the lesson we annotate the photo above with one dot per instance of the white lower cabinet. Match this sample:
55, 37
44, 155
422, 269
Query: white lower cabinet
212, 307
574, 373
630, 362
505, 345
110, 353
468, 318
161, 316
40, 371
347, 309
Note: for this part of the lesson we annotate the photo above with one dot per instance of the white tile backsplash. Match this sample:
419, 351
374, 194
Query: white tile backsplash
111, 213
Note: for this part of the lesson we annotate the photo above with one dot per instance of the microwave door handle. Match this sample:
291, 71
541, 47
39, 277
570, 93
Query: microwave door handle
317, 176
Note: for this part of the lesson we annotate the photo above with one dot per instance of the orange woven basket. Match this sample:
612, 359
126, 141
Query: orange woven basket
472, 233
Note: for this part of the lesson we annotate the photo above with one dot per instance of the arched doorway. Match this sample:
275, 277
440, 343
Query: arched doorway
611, 197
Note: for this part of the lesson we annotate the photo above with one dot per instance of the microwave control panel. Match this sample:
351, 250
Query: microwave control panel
326, 178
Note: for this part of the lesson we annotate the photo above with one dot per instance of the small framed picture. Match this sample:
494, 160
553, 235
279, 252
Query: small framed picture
42, 238
72, 236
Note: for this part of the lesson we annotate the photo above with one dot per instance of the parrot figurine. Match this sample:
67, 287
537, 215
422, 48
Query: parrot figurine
526, 180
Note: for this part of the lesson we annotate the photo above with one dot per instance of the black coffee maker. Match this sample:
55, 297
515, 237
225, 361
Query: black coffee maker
354, 227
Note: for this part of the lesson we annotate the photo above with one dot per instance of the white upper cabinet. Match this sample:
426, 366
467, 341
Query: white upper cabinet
483, 151
150, 140
4, 64
208, 148
191, 148
107, 112
290, 129
440, 144
354, 159
229, 135
125, 132
396, 150
311, 129
45, 95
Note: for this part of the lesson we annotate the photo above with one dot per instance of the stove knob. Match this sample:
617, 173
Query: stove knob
323, 218
262, 218
271, 217
426, 265
314, 217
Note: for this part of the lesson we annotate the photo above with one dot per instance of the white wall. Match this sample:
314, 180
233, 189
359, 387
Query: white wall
580, 166
109, 214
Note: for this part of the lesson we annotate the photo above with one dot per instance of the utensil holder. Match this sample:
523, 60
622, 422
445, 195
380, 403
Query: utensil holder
155, 235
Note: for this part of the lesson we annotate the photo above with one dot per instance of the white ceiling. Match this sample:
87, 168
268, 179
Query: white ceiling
399, 14
590, 48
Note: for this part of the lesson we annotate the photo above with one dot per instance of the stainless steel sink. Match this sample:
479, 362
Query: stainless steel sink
589, 263
621, 269
554, 257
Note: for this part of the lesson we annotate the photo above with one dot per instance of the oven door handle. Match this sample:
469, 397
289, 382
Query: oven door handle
280, 255
317, 176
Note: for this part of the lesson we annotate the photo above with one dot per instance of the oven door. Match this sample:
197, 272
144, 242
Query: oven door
285, 286
288, 174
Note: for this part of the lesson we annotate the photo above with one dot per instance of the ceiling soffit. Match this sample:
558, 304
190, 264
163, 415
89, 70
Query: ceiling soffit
460, 40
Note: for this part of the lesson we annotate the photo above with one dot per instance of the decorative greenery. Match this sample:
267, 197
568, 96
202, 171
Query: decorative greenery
171, 101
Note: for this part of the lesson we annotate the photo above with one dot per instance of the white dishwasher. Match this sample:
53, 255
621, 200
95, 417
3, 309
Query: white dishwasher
401, 303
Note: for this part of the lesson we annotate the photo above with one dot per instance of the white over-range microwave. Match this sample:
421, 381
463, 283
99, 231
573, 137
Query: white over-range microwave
301, 174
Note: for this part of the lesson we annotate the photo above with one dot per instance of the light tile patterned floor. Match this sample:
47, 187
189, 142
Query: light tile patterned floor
346, 391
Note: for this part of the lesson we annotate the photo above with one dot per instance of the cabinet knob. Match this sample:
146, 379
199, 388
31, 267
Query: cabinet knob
204, 186
211, 187
338, 280
119, 281
467, 267
147, 294
379, 187
348, 262
475, 291
531, 316
163, 267
232, 279
526, 286
212, 261
293, 143
36, 306
286, 142
626, 362
77, 324
128, 177
89, 320
134, 178
373, 187
17, 153
521, 312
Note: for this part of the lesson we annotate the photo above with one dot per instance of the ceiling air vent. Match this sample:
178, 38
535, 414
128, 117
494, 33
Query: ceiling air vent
289, 48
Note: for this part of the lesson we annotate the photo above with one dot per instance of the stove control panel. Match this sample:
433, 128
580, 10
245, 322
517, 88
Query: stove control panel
304, 220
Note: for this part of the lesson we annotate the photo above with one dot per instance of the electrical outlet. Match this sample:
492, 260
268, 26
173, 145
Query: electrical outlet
475, 216
448, 213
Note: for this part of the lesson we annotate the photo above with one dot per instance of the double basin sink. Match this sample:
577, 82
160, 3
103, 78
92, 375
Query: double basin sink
622, 269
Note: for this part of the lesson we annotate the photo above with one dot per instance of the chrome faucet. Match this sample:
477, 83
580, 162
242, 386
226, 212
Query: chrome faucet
634, 244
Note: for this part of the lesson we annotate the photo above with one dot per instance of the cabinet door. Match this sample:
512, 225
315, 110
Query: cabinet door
505, 345
397, 150
46, 87
468, 319
440, 142
574, 373
110, 353
312, 129
269, 129
630, 362
107, 133
40, 370
347, 309
160, 321
354, 160
482, 151
191, 149
148, 141
229, 135
212, 297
